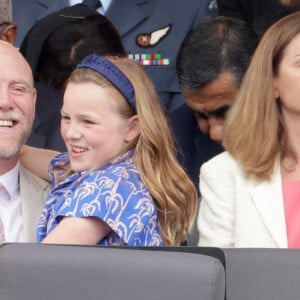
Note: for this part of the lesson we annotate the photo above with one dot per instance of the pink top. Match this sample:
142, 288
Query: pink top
291, 196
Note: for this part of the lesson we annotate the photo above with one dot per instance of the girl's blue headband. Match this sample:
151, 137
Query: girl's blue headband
107, 69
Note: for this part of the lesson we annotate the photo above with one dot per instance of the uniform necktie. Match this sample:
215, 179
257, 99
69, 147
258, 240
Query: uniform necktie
92, 3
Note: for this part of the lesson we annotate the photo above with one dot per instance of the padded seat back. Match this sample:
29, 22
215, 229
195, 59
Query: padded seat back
39, 271
262, 274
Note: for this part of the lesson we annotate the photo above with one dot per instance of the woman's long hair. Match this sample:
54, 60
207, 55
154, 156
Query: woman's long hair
254, 130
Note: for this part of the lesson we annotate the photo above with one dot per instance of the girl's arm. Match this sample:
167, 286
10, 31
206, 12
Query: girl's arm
80, 231
37, 160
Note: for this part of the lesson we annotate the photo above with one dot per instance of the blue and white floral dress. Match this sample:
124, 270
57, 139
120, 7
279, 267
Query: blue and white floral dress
113, 193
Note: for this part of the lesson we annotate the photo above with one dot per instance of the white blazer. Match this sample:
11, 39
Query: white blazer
239, 212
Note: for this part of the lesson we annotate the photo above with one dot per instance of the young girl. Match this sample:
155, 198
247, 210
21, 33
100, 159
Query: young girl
119, 183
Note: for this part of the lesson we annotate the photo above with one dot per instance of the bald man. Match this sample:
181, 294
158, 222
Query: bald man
24, 194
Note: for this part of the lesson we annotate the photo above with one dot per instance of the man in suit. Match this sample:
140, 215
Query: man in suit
152, 32
23, 200
19, 215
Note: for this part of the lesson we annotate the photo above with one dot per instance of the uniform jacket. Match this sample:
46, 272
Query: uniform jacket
239, 212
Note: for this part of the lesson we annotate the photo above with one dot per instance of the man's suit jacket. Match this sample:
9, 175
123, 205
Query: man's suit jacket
239, 212
33, 193
258, 14
196, 147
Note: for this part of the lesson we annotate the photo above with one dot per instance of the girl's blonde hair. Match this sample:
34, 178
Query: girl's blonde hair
174, 194
254, 130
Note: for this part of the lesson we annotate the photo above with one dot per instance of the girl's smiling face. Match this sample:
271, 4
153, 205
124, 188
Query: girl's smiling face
92, 127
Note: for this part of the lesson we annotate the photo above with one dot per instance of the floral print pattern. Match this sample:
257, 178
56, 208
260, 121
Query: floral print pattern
113, 193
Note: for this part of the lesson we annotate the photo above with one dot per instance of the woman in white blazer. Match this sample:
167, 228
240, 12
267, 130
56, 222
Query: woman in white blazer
249, 193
